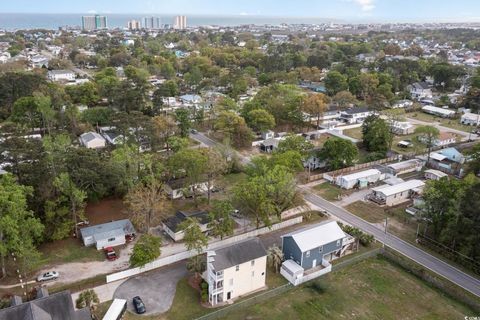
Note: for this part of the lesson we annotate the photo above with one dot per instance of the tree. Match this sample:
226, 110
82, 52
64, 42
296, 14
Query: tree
315, 105
260, 120
146, 203
146, 250
474, 163
25, 112
182, 116
221, 223
295, 143
335, 82
376, 134
234, 128
216, 166
87, 299
168, 89
253, 199
19, 229
164, 127
368, 85
392, 49
195, 240
275, 257
192, 165
427, 135
75, 196
338, 153
344, 99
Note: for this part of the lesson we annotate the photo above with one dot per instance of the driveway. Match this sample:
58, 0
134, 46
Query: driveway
156, 288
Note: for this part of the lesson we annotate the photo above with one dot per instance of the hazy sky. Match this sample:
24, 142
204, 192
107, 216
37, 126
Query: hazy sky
392, 10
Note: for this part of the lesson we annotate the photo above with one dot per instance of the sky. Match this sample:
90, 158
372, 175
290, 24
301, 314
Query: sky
374, 10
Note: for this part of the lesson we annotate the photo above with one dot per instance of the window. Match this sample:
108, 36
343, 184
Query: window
320, 249
111, 239
307, 254
253, 274
231, 282
338, 243
237, 268
252, 263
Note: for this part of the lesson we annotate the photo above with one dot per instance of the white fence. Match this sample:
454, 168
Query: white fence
301, 278
161, 262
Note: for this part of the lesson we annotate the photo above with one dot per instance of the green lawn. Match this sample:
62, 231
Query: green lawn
328, 191
450, 123
400, 223
69, 250
371, 289
355, 133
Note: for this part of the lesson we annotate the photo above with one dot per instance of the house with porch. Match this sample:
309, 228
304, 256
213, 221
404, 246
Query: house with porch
308, 252
235, 271
391, 195
419, 90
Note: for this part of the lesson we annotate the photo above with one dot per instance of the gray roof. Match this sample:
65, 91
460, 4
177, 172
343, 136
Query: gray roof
357, 110
173, 222
60, 71
58, 306
238, 253
420, 85
104, 230
90, 136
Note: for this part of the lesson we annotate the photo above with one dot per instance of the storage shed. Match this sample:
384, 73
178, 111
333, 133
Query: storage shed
108, 234
361, 178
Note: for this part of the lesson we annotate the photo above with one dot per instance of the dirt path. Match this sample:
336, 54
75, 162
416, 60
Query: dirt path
77, 271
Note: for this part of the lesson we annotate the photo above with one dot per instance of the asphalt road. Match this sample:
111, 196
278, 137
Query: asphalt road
436, 265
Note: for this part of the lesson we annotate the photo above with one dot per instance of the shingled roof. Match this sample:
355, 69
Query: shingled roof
238, 253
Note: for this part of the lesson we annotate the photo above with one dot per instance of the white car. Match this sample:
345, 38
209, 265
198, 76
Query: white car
51, 275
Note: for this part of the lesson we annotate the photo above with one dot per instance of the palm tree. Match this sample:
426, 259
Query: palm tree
275, 257
87, 298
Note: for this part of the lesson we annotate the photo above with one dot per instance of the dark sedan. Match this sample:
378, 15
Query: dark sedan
139, 305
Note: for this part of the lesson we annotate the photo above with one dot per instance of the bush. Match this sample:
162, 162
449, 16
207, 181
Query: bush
365, 239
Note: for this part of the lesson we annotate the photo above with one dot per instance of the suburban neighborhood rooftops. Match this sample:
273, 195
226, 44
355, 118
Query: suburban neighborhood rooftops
108, 228
60, 71
361, 174
313, 237
398, 188
174, 221
238, 253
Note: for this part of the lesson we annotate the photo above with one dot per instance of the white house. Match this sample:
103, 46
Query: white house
360, 179
396, 194
470, 119
419, 90
444, 139
108, 234
402, 104
235, 271
61, 75
440, 112
92, 140
179, 188
406, 166
355, 115
401, 127
433, 174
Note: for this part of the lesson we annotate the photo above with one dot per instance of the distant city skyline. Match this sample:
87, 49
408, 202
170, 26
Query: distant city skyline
350, 10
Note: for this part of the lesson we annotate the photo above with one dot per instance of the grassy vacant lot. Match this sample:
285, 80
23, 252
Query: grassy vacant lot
372, 289
355, 133
449, 123
400, 223
328, 191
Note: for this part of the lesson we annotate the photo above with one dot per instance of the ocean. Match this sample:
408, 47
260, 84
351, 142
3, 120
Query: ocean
18, 21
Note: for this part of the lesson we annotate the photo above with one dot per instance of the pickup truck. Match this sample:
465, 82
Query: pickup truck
111, 254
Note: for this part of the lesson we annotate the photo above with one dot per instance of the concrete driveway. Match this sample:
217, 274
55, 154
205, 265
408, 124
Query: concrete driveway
156, 288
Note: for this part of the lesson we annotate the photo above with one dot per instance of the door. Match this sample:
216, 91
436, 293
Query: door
229, 295
314, 263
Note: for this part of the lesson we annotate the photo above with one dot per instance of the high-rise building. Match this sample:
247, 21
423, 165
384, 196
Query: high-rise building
180, 22
151, 23
95, 22
134, 25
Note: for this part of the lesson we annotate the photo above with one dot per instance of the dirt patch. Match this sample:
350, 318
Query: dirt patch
106, 210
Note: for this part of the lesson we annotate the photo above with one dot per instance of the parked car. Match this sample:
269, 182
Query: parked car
111, 254
193, 131
50, 275
236, 213
139, 305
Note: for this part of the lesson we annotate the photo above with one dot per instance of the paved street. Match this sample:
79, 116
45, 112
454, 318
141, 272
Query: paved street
428, 261
156, 288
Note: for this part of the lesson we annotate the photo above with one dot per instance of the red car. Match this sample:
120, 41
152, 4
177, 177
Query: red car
111, 254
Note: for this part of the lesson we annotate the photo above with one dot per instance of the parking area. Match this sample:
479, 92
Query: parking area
156, 288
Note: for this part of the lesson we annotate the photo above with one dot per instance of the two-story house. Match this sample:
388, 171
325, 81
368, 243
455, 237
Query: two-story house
355, 115
236, 270
420, 90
